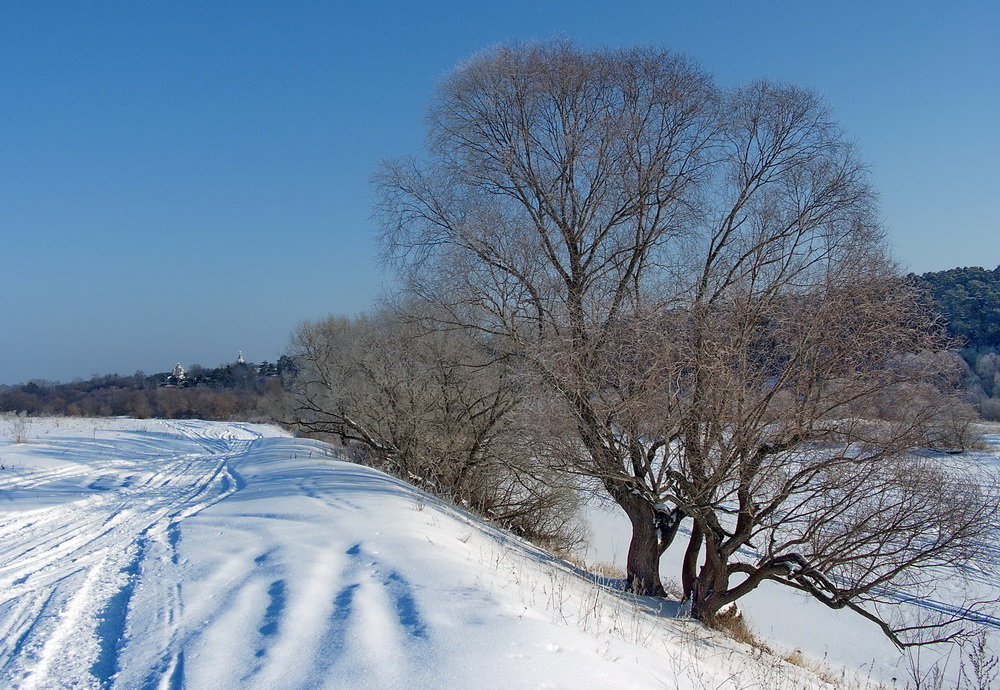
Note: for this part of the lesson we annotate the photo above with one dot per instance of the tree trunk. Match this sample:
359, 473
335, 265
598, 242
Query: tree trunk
711, 585
689, 567
643, 567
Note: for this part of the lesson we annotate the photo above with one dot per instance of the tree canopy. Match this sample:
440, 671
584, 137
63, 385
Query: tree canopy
969, 300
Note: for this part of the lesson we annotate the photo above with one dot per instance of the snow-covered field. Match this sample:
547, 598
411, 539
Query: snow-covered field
167, 554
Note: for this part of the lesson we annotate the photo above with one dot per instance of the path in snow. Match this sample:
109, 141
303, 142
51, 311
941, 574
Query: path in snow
67, 571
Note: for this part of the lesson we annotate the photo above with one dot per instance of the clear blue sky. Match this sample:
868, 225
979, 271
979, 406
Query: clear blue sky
180, 180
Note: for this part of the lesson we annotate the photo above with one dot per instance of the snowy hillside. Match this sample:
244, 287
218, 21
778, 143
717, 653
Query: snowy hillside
156, 554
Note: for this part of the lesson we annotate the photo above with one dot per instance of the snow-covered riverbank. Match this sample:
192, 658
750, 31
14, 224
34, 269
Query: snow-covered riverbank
168, 554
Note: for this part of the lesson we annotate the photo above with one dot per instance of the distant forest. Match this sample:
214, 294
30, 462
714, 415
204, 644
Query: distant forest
968, 300
239, 390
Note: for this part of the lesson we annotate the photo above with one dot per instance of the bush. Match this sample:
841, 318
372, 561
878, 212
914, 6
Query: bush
19, 425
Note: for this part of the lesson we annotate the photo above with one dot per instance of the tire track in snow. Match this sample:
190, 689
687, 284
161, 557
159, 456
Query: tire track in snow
110, 628
34, 478
168, 670
88, 557
153, 598
72, 532
20, 619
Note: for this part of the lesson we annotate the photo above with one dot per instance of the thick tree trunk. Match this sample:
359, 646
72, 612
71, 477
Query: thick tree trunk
643, 566
689, 567
711, 586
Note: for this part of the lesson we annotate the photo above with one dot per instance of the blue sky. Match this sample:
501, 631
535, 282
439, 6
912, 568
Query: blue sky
182, 180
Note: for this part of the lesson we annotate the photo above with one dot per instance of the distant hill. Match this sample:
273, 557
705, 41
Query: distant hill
968, 299
239, 390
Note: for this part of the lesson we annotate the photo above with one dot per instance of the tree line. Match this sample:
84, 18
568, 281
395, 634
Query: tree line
968, 299
225, 392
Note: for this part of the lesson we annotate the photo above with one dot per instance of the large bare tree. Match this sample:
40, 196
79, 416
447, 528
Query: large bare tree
697, 280
555, 179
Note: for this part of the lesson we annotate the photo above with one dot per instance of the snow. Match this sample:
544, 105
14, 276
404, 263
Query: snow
169, 554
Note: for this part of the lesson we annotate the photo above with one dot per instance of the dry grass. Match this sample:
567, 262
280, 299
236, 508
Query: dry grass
732, 624
612, 572
19, 425
795, 657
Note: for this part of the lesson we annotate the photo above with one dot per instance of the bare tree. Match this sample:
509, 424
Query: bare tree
788, 470
556, 177
696, 279
437, 408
